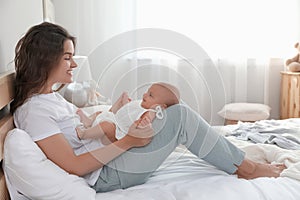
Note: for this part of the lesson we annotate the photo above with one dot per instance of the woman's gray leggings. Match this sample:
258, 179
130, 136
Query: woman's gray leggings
180, 125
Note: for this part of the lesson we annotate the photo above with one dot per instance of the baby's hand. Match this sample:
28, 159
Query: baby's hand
143, 122
149, 114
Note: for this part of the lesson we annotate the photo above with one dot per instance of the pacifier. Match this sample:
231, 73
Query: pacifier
159, 112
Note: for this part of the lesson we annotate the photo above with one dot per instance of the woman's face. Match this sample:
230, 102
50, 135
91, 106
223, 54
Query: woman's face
63, 72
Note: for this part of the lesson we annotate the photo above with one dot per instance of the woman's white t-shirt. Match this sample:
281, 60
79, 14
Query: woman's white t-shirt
44, 115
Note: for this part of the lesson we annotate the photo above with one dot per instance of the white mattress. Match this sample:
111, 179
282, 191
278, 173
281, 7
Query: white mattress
183, 176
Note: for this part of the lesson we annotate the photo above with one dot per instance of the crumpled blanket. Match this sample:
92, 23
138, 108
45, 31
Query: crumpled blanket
258, 146
266, 153
283, 133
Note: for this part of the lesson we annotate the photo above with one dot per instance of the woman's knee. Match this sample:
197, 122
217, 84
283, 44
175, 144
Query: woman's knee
174, 117
177, 111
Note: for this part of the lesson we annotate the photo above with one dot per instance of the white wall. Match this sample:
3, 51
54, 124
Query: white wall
94, 22
16, 16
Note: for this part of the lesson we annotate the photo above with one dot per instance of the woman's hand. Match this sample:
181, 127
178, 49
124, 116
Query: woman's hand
140, 133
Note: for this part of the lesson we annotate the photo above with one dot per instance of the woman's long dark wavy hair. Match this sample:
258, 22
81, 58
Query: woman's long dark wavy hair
36, 54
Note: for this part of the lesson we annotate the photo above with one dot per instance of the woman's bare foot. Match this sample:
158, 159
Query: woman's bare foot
87, 122
249, 170
122, 100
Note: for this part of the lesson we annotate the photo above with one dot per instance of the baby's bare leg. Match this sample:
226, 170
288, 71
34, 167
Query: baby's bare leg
109, 130
89, 133
94, 115
123, 99
104, 131
87, 122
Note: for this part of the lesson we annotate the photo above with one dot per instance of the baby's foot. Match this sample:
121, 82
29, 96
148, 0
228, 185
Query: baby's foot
79, 112
80, 132
122, 100
87, 122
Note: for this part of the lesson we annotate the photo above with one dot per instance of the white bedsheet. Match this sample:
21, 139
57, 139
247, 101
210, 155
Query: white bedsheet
265, 153
183, 176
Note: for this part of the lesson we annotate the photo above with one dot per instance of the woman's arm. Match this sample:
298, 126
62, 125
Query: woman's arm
58, 150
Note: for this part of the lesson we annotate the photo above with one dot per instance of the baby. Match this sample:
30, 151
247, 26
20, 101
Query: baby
114, 124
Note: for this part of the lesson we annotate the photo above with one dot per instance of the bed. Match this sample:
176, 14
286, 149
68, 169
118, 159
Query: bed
182, 175
6, 122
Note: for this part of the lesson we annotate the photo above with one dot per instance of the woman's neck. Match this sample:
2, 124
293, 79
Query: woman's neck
46, 90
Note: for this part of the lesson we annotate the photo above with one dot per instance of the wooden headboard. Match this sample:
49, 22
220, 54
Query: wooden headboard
6, 120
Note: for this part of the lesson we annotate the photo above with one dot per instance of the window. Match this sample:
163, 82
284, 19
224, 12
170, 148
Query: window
228, 29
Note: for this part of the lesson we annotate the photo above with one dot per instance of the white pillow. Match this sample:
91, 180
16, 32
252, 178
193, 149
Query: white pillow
245, 111
29, 172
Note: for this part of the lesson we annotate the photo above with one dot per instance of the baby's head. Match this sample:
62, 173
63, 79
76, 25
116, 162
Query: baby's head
163, 94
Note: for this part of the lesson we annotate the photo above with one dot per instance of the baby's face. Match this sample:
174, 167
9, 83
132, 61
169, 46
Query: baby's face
155, 95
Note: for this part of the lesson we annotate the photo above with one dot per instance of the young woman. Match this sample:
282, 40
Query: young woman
44, 57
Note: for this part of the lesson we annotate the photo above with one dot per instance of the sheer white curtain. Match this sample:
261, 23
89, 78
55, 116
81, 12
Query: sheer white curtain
247, 42
231, 28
